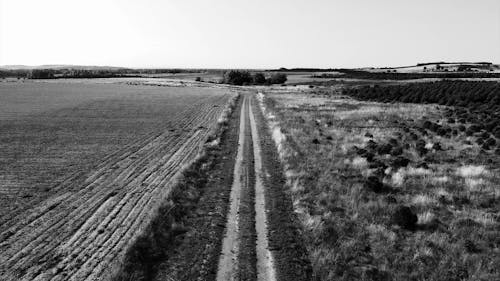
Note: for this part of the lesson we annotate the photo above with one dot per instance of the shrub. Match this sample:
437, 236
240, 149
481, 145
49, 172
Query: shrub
400, 162
396, 151
371, 145
374, 184
490, 141
384, 149
404, 217
437, 146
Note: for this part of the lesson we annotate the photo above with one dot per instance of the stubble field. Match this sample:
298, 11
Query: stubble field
84, 165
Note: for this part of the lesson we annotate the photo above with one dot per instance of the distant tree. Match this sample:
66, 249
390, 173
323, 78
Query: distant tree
41, 74
237, 77
277, 78
259, 78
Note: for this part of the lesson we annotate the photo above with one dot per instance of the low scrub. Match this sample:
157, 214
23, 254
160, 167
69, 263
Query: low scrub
385, 197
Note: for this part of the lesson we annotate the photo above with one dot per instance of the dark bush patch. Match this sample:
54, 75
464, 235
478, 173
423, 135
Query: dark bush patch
441, 132
315, 141
374, 184
420, 147
377, 164
423, 165
437, 146
371, 145
390, 199
475, 128
404, 217
396, 151
496, 132
413, 136
485, 135
427, 124
400, 162
393, 142
360, 151
368, 135
461, 128
384, 149
490, 141
470, 247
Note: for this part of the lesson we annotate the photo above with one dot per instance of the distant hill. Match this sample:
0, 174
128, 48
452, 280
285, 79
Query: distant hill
440, 67
59, 66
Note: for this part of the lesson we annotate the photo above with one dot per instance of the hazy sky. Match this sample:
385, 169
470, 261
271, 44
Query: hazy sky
248, 34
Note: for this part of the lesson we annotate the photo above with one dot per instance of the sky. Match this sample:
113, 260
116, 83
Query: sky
248, 34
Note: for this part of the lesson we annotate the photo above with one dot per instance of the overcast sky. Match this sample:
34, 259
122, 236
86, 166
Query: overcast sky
248, 34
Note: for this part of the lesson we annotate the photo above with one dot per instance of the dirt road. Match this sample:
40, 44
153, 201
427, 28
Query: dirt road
244, 227
247, 205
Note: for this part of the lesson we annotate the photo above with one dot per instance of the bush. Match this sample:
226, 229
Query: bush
374, 184
384, 149
400, 162
404, 217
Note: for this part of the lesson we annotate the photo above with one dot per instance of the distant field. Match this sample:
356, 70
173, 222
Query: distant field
83, 165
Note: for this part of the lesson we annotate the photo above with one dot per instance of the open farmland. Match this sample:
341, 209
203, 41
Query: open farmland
83, 167
390, 191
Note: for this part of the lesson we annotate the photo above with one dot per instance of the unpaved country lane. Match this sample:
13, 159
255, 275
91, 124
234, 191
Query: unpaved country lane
245, 251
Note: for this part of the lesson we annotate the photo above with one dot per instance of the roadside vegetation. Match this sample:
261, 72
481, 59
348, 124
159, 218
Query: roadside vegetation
382, 194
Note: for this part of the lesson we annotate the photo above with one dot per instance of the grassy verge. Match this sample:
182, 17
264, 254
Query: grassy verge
380, 197
161, 239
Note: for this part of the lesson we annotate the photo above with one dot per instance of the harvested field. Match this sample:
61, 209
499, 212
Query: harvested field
84, 167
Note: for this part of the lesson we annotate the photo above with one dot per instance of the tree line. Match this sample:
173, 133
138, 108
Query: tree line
243, 77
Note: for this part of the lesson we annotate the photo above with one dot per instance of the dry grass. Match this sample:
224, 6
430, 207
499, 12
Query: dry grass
347, 226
